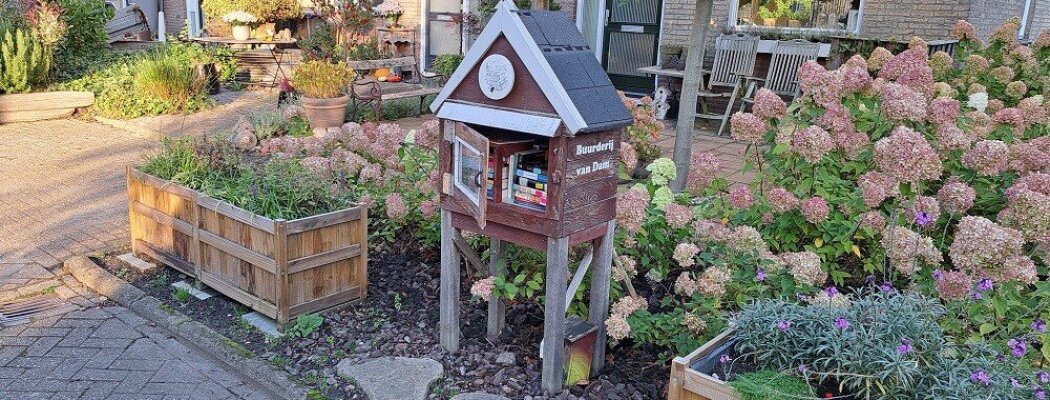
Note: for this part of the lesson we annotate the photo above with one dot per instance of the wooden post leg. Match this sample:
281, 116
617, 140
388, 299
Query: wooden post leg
601, 276
497, 309
449, 285
553, 380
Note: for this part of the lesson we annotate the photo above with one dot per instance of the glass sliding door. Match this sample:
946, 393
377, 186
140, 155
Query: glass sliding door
444, 33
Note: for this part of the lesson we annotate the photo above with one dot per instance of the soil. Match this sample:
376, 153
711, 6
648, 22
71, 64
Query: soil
399, 317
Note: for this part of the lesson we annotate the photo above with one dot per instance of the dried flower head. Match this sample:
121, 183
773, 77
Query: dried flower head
954, 285
815, 209
907, 251
805, 268
878, 58
987, 157
747, 127
901, 103
906, 156
963, 30
781, 200
955, 196
768, 105
631, 207
684, 254
703, 168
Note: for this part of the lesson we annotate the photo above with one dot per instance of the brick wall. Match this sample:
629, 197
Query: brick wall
678, 21
902, 19
986, 15
174, 16
1040, 18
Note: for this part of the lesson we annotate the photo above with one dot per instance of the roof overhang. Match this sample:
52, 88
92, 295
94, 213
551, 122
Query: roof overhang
511, 120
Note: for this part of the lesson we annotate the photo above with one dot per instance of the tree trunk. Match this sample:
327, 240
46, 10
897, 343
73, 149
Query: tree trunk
694, 60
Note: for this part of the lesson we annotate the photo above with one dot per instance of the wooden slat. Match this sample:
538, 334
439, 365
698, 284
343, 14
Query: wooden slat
178, 225
323, 220
553, 348
302, 264
327, 302
283, 288
497, 309
231, 211
449, 297
164, 257
598, 307
216, 282
469, 254
236, 250
164, 185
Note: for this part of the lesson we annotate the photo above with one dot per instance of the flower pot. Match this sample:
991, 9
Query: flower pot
242, 32
325, 113
769, 21
794, 23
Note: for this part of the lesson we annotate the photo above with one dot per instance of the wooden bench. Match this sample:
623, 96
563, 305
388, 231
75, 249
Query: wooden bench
366, 90
128, 22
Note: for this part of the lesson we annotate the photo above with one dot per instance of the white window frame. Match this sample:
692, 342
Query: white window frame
457, 170
734, 8
424, 31
603, 19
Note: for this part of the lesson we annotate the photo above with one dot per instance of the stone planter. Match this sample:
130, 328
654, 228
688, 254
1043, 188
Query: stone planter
688, 382
325, 113
40, 106
242, 32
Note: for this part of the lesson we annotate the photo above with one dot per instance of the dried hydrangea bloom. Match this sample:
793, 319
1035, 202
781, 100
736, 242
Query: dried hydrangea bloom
293, 111
631, 208
768, 105
812, 143
712, 281
617, 327
928, 207
483, 288
956, 197
906, 60
703, 168
941, 63
395, 206
1030, 156
313, 145
982, 247
963, 30
906, 156
371, 173
1016, 89
854, 78
833, 299
878, 58
628, 156
979, 125
747, 127
1042, 42
781, 200
954, 285
684, 254
1021, 269
815, 209
811, 75
317, 165
987, 157
1003, 74
872, 220
1007, 32
694, 324
771, 262
919, 44
943, 89
627, 305
740, 197
901, 103
836, 119
1029, 212
995, 105
685, 285
805, 268
975, 64
907, 251
428, 207
1033, 109
918, 78
943, 110
745, 239
625, 269
678, 216
428, 135
708, 230
852, 143
951, 137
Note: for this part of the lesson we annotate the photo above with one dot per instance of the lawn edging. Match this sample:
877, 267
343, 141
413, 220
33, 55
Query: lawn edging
264, 376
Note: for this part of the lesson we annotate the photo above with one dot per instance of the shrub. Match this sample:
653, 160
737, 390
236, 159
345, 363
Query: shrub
320, 45
23, 62
446, 64
266, 10
321, 79
85, 37
167, 80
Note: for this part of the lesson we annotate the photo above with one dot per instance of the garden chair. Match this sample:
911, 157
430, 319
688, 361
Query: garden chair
782, 77
734, 59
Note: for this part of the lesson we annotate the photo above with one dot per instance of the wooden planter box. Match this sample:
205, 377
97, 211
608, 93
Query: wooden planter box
40, 106
689, 384
280, 268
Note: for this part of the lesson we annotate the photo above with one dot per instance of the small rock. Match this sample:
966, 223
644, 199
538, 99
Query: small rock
478, 396
243, 137
506, 358
393, 378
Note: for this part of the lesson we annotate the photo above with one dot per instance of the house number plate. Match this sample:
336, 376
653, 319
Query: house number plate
632, 28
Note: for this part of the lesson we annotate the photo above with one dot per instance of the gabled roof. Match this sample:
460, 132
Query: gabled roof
558, 59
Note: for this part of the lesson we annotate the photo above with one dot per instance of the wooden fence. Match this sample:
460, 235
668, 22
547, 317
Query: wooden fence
279, 268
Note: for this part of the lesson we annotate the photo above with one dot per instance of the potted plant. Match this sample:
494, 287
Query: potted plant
390, 11
322, 89
241, 24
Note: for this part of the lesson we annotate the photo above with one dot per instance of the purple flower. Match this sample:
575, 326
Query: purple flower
938, 274
985, 284
841, 323
979, 376
977, 296
831, 291
760, 275
887, 287
1043, 376
923, 219
1040, 394
1015, 383
1039, 326
1017, 347
802, 369
783, 325
724, 358
905, 347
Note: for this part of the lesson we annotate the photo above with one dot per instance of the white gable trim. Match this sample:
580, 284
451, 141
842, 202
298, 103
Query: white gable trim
500, 118
506, 22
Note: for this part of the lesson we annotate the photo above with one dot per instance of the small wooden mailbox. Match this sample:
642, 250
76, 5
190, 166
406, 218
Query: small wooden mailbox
531, 134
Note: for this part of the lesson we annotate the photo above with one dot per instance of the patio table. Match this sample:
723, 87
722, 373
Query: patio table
271, 45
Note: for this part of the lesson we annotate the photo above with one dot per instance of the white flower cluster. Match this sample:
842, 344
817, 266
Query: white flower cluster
240, 17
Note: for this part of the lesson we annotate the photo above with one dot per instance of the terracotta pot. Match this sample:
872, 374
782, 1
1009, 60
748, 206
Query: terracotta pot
242, 32
769, 21
325, 113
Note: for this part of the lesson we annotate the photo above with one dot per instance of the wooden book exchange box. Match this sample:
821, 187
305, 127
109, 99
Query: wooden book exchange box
531, 135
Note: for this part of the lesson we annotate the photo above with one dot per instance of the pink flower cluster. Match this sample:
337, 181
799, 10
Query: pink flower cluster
876, 187
986, 249
928, 206
684, 254
781, 200
1028, 208
713, 280
677, 215
872, 220
617, 326
951, 137
482, 288
628, 156
805, 268
317, 165
768, 105
906, 156
943, 110
703, 168
740, 197
954, 285
747, 127
812, 143
956, 197
987, 157
815, 209
963, 30
901, 103
907, 251
395, 206
631, 208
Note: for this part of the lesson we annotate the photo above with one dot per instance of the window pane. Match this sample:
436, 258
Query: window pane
468, 170
827, 14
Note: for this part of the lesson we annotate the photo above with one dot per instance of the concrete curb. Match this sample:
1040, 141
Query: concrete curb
130, 128
277, 383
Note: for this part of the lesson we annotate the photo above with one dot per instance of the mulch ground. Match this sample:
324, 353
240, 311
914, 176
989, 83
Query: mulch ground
399, 317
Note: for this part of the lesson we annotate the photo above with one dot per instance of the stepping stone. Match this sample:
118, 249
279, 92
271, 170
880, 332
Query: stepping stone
139, 265
478, 396
199, 294
393, 378
263, 323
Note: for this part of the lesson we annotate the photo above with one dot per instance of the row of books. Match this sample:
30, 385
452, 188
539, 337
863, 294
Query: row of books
530, 185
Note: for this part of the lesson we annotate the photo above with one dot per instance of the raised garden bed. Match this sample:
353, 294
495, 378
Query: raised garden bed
40, 106
280, 268
689, 382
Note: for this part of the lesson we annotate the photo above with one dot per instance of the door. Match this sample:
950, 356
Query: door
470, 164
443, 29
632, 33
